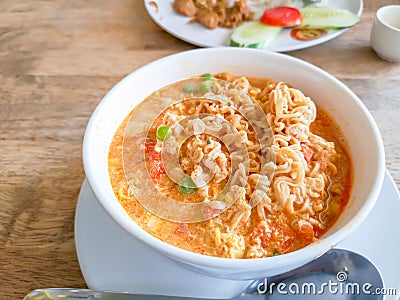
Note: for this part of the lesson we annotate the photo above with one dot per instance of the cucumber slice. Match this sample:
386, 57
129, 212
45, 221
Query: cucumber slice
253, 34
327, 18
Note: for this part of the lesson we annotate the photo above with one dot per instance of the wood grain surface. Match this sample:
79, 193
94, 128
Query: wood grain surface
57, 60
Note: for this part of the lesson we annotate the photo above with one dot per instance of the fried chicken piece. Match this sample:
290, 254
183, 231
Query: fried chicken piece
215, 13
185, 7
237, 14
207, 18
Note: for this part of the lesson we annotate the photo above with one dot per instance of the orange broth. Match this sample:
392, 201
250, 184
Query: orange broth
274, 236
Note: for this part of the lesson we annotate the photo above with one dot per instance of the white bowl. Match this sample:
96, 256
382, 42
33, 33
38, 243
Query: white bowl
339, 101
385, 33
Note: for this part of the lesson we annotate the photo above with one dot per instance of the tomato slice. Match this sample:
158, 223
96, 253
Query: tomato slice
307, 34
283, 16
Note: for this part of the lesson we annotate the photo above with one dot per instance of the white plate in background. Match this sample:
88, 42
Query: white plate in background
194, 33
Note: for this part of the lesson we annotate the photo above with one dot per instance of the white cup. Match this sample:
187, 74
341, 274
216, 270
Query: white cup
385, 33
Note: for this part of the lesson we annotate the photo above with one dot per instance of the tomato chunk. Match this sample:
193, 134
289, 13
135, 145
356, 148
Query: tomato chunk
149, 146
210, 212
277, 237
283, 16
182, 229
304, 230
155, 166
318, 232
307, 152
283, 235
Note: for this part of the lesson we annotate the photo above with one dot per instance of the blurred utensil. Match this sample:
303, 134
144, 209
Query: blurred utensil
349, 272
307, 2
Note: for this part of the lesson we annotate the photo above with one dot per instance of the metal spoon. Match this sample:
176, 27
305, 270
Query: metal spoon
338, 274
307, 2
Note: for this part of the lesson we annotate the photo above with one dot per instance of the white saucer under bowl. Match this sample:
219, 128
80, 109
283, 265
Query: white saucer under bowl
111, 260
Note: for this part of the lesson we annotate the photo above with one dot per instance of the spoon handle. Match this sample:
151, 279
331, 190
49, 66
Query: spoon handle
311, 1
82, 294
87, 294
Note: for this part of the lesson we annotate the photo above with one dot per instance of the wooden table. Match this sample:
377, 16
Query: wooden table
57, 60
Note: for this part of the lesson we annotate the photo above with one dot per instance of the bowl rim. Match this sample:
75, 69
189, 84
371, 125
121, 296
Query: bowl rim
384, 10
316, 248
